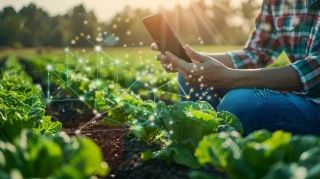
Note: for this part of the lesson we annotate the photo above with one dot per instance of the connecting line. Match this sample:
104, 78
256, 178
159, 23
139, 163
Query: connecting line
67, 67
117, 79
72, 90
97, 65
88, 40
79, 96
182, 88
72, 79
106, 40
165, 84
71, 100
108, 56
96, 117
99, 131
48, 87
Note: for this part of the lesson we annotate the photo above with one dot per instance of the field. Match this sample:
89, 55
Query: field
114, 113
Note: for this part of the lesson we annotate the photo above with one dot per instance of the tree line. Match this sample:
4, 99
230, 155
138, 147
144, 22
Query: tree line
218, 22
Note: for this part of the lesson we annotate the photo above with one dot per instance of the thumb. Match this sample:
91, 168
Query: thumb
194, 55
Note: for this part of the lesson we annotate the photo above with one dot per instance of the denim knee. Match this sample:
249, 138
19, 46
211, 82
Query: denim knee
236, 101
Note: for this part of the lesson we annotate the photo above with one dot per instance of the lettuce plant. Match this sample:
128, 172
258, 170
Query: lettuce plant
186, 123
33, 155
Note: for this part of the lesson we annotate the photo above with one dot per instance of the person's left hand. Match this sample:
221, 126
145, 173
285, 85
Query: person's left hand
204, 72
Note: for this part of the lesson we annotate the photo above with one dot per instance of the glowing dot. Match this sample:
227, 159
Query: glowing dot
99, 39
141, 43
171, 122
78, 132
85, 22
154, 90
201, 68
114, 26
117, 62
66, 49
48, 100
125, 45
97, 48
49, 67
171, 131
73, 42
152, 124
88, 36
80, 60
81, 98
128, 32
201, 42
267, 27
151, 118
81, 34
117, 38
188, 97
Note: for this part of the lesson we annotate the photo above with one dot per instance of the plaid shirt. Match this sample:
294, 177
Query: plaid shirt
292, 26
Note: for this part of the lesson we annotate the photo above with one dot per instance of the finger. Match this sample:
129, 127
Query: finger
188, 77
163, 58
169, 67
154, 47
194, 55
179, 63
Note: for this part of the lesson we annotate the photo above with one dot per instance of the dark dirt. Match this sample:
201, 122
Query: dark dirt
123, 154
135, 168
108, 138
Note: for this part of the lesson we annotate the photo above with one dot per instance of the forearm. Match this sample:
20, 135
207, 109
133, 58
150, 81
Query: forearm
221, 57
282, 78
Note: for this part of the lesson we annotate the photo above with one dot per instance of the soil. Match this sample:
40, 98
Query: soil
123, 154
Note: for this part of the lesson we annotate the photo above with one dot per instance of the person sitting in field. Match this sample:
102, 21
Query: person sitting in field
283, 98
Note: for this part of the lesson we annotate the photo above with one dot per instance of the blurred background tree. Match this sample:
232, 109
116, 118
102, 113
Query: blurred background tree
205, 22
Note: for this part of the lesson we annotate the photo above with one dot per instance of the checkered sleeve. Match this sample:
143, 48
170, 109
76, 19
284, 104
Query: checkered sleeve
309, 72
262, 48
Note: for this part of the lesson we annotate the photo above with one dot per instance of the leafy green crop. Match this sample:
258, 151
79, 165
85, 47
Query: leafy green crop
186, 123
21, 103
131, 111
273, 155
33, 155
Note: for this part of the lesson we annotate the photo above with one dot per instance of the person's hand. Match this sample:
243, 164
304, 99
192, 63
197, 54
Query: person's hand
204, 72
166, 64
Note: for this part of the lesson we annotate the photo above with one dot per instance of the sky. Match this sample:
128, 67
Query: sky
104, 9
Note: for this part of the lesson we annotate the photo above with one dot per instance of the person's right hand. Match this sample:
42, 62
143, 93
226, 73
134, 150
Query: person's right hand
165, 62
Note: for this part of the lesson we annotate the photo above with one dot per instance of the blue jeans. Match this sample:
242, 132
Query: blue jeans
262, 108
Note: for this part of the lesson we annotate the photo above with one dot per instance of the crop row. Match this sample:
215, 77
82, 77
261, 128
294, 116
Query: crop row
30, 145
192, 133
195, 135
